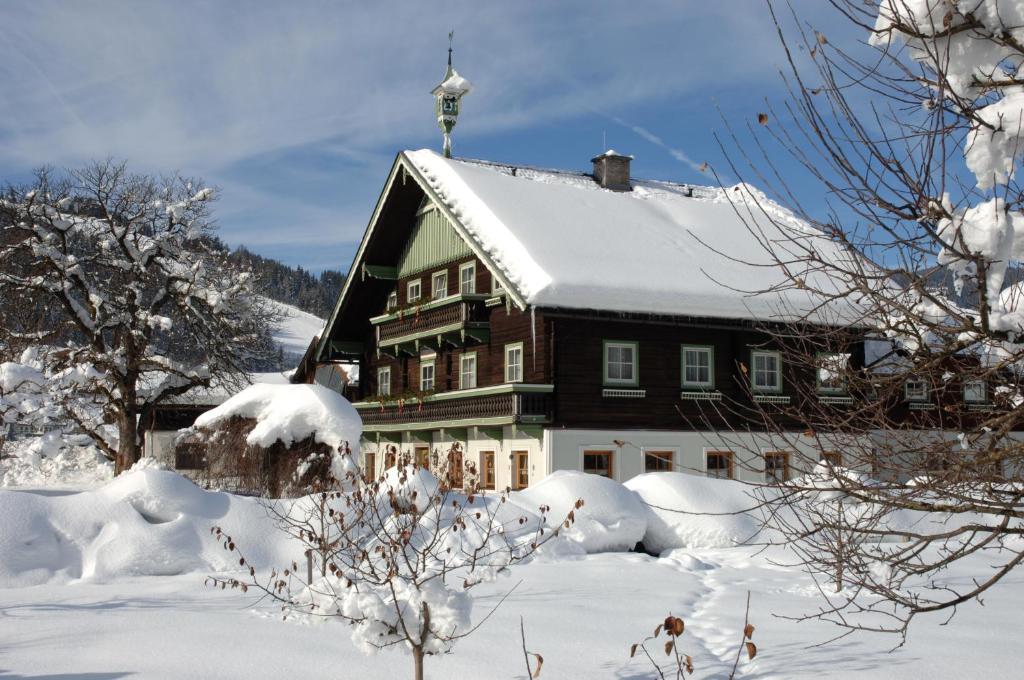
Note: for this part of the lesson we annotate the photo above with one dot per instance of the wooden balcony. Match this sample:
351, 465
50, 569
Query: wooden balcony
456, 320
509, 404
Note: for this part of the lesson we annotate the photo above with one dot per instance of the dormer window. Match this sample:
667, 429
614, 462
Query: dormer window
440, 285
413, 291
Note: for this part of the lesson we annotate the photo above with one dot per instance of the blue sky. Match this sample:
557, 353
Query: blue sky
295, 110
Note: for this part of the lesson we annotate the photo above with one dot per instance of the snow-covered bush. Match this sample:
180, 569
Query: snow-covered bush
275, 440
396, 557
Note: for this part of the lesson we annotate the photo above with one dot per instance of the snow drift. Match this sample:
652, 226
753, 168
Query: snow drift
687, 511
613, 518
146, 522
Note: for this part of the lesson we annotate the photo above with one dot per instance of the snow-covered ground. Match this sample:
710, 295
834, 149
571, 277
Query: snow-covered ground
79, 598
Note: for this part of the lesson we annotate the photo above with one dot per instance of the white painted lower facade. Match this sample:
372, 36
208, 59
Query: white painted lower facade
551, 449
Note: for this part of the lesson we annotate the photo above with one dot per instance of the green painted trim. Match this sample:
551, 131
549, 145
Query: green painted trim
412, 337
519, 388
440, 424
608, 382
433, 304
376, 271
346, 346
711, 367
495, 433
763, 390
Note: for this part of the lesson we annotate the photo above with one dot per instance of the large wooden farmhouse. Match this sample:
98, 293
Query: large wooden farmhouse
549, 320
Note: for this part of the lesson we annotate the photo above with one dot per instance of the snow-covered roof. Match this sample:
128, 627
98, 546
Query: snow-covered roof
561, 240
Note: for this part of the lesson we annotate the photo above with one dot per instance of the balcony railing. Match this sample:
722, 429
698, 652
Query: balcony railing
516, 403
450, 319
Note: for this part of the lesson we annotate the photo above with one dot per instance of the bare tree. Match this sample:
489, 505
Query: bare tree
905, 368
138, 307
396, 557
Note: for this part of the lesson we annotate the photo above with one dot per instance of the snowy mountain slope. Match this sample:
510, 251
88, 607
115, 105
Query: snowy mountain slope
296, 330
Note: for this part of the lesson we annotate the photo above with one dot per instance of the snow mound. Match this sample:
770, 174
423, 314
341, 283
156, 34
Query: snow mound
612, 517
688, 511
145, 523
290, 413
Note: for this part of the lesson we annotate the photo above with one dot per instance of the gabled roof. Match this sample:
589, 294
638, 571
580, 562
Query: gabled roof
563, 241
557, 239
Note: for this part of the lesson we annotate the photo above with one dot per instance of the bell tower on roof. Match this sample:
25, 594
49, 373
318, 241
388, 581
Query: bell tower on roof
448, 95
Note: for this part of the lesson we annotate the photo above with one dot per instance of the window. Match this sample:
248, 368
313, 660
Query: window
520, 469
657, 461
422, 456
598, 463
392, 300
487, 461
389, 457
698, 366
975, 392
832, 372
467, 371
467, 278
916, 389
767, 371
620, 363
384, 381
832, 458
370, 465
776, 466
719, 464
427, 376
514, 362
496, 287
440, 285
413, 291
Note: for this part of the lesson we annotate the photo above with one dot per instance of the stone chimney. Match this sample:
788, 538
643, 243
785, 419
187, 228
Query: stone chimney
611, 170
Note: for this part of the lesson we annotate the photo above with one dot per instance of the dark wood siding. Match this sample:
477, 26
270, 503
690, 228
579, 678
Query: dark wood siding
578, 370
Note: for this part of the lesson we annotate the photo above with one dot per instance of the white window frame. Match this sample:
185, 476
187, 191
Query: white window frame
621, 344
471, 268
433, 375
984, 392
773, 389
510, 347
710, 350
418, 283
833, 389
914, 395
392, 300
383, 386
496, 287
462, 370
435, 292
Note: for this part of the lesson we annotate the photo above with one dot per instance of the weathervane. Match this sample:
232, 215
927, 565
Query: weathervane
448, 95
